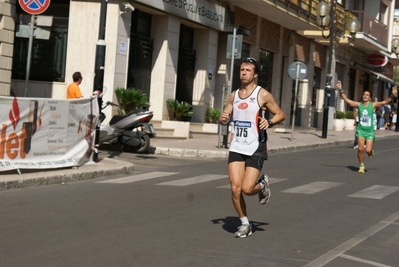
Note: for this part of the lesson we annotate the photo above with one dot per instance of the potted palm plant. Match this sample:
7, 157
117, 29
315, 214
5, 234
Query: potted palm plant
213, 114
181, 110
131, 98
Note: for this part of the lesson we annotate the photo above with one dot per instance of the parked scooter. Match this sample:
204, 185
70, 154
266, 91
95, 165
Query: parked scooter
131, 130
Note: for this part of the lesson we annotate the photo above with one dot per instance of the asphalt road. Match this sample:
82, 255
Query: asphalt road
178, 212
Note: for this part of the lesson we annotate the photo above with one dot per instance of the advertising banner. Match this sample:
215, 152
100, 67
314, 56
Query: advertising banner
43, 133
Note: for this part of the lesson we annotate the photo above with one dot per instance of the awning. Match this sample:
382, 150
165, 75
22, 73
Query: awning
384, 78
380, 76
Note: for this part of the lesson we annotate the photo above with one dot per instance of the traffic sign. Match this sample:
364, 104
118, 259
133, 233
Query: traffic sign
34, 7
298, 70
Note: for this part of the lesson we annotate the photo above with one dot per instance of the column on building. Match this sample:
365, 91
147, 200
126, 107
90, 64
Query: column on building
206, 45
286, 86
7, 11
305, 90
165, 30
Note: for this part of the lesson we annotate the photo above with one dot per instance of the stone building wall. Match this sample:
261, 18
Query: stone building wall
7, 24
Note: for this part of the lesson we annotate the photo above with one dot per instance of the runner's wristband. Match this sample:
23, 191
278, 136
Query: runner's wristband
270, 123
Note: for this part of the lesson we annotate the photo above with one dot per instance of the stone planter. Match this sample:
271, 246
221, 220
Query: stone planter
204, 127
339, 124
349, 124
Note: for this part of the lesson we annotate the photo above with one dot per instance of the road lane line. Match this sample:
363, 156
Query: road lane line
376, 192
195, 180
137, 177
312, 188
363, 261
341, 249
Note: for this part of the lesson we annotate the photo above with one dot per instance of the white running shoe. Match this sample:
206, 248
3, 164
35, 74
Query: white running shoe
244, 230
264, 195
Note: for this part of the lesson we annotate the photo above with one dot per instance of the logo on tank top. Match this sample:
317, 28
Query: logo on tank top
243, 124
252, 99
242, 106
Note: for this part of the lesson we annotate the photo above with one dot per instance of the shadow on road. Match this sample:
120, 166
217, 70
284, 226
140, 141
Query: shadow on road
230, 224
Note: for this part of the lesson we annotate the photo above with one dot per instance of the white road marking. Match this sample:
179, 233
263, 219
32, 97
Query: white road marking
272, 181
312, 188
195, 180
364, 261
341, 249
137, 177
376, 192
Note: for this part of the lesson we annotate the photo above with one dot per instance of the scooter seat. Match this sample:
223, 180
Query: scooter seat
134, 112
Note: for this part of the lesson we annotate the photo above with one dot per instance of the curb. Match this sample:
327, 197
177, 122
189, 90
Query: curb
47, 177
194, 153
198, 153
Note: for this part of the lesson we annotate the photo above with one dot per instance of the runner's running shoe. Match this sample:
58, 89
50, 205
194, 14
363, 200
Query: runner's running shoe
361, 168
371, 154
244, 230
264, 195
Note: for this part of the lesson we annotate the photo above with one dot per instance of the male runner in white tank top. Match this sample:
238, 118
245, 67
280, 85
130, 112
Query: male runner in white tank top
247, 153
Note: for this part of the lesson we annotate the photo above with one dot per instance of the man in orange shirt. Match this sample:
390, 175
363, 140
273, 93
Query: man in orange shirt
73, 90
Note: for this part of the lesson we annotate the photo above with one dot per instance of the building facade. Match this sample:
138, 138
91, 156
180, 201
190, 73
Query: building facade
177, 49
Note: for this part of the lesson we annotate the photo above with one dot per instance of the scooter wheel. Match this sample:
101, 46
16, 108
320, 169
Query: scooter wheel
145, 144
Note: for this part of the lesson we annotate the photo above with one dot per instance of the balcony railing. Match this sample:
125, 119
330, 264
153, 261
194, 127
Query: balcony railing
308, 7
372, 27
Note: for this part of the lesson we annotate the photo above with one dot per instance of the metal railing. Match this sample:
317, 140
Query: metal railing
372, 27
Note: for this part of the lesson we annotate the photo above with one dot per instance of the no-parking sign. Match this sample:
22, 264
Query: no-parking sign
34, 7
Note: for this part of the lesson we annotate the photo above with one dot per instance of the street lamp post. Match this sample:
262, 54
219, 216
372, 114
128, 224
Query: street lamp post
328, 22
323, 11
395, 49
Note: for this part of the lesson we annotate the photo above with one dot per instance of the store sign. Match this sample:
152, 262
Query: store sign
200, 11
377, 60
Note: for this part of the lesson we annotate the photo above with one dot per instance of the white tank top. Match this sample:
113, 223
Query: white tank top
245, 123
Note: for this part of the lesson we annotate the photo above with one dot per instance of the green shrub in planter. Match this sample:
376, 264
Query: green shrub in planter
339, 115
349, 115
130, 99
180, 109
213, 114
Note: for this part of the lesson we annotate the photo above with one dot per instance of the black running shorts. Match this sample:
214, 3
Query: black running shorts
255, 161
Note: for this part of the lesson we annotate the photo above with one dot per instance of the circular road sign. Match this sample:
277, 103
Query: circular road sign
34, 7
298, 70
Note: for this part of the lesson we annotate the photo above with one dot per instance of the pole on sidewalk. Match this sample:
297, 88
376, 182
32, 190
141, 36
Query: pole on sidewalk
28, 61
327, 90
99, 69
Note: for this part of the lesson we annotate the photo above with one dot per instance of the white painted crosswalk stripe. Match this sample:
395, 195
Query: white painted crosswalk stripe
137, 177
312, 188
373, 192
272, 181
195, 180
376, 192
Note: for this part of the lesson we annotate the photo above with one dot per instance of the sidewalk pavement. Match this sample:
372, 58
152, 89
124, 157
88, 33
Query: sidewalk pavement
197, 146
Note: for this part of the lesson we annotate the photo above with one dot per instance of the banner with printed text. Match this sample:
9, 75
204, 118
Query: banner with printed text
42, 133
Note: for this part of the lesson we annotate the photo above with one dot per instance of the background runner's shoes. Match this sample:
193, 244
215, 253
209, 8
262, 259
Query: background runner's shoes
371, 154
361, 169
244, 230
264, 195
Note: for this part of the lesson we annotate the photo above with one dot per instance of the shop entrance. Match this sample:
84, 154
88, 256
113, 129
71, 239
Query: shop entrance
140, 52
186, 65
